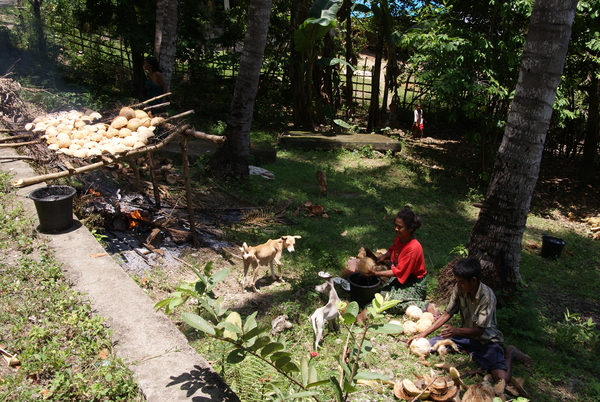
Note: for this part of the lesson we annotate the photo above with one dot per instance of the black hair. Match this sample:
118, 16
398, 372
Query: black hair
468, 268
409, 218
153, 63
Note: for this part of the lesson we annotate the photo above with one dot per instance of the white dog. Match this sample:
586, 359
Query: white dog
265, 254
327, 313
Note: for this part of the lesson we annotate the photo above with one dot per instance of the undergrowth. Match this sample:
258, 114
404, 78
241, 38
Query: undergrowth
65, 352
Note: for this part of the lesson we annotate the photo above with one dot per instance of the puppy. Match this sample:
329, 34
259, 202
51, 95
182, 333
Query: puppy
327, 313
322, 183
265, 254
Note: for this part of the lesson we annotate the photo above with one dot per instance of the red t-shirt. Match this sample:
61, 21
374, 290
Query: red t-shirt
407, 259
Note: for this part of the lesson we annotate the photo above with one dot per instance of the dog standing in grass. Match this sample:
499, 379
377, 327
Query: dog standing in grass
328, 313
265, 254
322, 183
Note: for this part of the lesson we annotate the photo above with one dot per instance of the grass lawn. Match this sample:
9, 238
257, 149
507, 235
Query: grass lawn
547, 317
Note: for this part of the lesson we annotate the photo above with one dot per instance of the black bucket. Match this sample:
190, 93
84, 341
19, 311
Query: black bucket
552, 247
54, 205
363, 288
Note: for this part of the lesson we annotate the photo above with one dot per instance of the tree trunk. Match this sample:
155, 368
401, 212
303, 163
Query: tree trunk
165, 41
231, 160
590, 147
39, 27
350, 59
373, 122
497, 235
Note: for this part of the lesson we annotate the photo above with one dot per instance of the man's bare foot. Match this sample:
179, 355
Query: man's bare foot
515, 354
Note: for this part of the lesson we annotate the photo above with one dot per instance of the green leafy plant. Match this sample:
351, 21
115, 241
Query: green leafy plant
575, 331
351, 128
460, 250
249, 339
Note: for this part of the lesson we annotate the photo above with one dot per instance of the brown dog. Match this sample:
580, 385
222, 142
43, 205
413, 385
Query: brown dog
322, 183
265, 254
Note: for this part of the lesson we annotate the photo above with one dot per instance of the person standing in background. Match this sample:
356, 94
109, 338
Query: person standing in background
418, 121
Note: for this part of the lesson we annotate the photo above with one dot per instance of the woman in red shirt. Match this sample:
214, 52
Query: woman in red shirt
408, 272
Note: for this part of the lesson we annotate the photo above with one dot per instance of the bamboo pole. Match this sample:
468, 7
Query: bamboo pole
188, 188
14, 137
218, 139
19, 144
94, 166
147, 101
32, 158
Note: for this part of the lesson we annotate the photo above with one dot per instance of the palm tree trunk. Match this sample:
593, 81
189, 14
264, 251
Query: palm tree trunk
231, 160
497, 235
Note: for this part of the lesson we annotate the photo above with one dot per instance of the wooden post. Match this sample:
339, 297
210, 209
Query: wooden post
154, 183
188, 187
136, 173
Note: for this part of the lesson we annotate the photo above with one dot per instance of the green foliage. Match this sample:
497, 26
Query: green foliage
460, 250
574, 332
251, 340
65, 351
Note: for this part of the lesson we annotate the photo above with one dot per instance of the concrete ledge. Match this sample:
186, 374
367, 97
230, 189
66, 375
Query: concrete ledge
308, 140
166, 367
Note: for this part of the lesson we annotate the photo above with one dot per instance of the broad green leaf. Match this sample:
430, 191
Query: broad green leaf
232, 325
360, 8
219, 276
260, 342
379, 299
281, 362
324, 8
271, 348
369, 375
254, 332
317, 383
236, 356
352, 308
304, 370
349, 387
386, 328
278, 355
198, 322
208, 268
250, 322
337, 389
333, 61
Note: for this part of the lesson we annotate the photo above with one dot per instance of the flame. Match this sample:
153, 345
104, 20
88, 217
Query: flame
134, 218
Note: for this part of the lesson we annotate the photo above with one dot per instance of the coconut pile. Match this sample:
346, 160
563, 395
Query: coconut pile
81, 135
416, 321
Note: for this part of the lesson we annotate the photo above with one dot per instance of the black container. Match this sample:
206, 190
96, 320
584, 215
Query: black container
363, 288
552, 247
54, 206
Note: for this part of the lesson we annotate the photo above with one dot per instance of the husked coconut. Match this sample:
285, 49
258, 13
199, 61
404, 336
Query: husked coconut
138, 144
157, 121
119, 122
140, 114
119, 148
94, 152
51, 130
146, 121
111, 132
133, 124
127, 112
51, 140
79, 124
92, 129
67, 151
53, 147
423, 324
414, 312
427, 316
410, 328
128, 141
420, 347
124, 132
90, 145
29, 126
81, 153
74, 147
64, 142
95, 116
41, 126
96, 137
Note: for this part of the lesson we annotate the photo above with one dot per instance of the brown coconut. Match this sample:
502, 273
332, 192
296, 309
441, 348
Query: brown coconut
127, 112
119, 122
